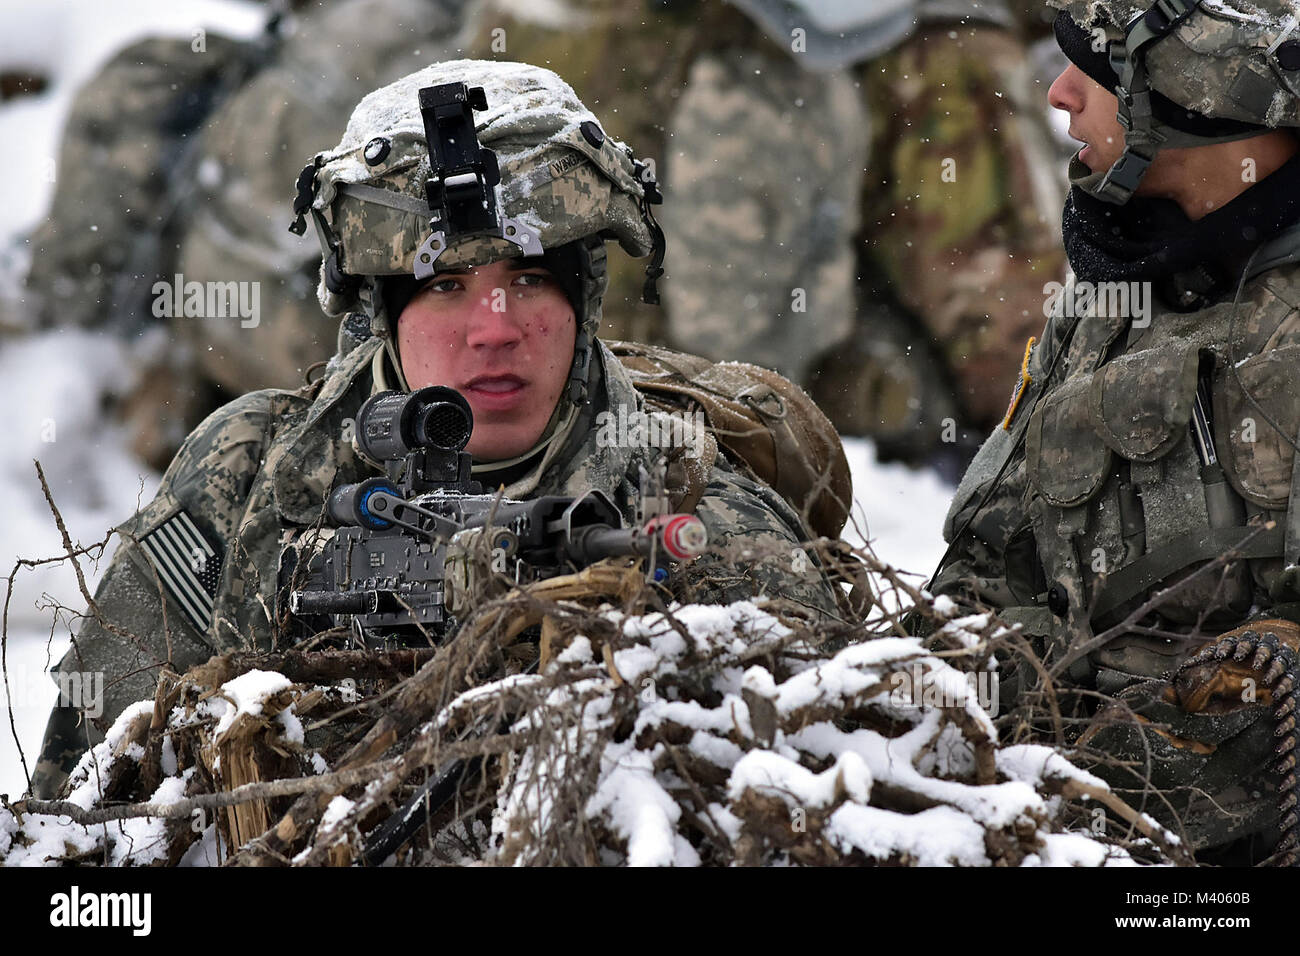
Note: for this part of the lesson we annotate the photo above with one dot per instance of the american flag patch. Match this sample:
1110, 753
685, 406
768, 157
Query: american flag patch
188, 566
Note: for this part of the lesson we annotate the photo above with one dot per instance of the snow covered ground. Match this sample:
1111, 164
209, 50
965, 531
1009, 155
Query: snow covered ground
52, 385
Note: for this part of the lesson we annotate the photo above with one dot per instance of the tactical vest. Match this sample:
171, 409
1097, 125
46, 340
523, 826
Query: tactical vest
1125, 502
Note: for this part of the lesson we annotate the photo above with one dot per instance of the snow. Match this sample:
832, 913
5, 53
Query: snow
1033, 764
898, 509
578, 652
641, 811
638, 790
763, 770
95, 763
842, 676
292, 726
939, 836
1075, 849
944, 606
246, 694
338, 809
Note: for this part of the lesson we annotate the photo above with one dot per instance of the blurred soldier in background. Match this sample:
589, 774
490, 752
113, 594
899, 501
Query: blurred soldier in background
898, 318
857, 195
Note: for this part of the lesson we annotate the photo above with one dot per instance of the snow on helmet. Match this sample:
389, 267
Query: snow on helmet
1187, 72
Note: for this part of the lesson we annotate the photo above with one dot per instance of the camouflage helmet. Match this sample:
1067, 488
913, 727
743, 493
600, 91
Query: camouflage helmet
1187, 72
545, 166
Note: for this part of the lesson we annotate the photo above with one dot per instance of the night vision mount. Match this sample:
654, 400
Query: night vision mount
461, 191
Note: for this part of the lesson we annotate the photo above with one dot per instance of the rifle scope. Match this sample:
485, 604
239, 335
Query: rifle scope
392, 424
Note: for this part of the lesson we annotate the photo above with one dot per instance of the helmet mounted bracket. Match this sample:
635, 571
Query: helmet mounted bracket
461, 192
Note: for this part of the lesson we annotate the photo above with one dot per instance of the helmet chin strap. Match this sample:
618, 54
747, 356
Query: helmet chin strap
1144, 135
1142, 140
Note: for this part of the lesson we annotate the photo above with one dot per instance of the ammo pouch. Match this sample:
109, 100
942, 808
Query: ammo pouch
763, 420
1126, 503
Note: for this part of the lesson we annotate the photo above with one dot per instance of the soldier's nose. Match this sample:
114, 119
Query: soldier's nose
1066, 91
491, 324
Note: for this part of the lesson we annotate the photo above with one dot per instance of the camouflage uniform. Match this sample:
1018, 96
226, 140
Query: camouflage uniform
197, 573
1098, 496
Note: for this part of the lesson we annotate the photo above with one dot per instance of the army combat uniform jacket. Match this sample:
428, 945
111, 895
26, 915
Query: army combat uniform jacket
197, 573
1119, 482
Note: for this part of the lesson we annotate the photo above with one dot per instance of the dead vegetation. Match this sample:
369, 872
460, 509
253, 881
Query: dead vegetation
582, 721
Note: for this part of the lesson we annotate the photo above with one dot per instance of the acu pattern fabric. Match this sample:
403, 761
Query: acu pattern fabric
1106, 502
259, 471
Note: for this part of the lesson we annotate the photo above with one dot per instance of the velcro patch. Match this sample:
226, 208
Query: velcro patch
187, 564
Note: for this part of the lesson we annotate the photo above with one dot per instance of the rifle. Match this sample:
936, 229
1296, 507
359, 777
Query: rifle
408, 548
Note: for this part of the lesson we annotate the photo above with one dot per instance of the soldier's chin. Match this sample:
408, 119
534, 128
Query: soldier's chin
498, 445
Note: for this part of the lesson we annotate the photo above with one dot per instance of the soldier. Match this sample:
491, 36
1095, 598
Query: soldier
509, 318
1141, 496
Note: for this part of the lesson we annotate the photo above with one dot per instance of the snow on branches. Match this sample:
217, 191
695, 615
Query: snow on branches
550, 732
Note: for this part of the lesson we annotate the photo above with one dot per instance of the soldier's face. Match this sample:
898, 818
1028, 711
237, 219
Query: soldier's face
1093, 116
502, 335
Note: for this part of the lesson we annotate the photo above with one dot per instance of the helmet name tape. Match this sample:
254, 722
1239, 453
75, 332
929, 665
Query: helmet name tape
461, 190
